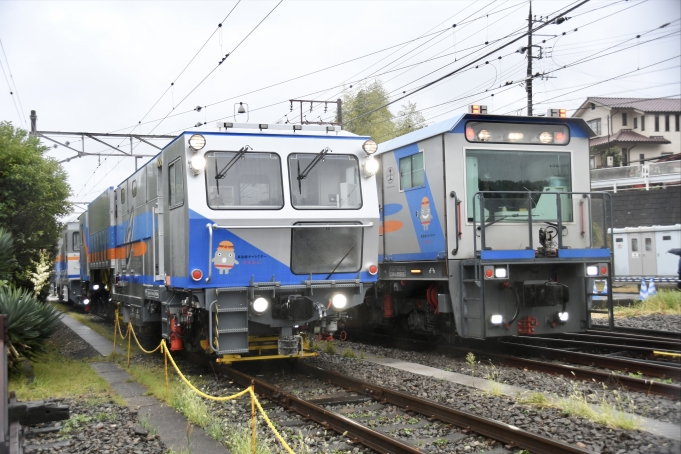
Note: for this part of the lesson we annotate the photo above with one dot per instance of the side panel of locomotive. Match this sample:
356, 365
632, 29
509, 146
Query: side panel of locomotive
439, 241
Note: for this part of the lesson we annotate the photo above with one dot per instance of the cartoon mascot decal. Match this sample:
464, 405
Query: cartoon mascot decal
425, 213
224, 258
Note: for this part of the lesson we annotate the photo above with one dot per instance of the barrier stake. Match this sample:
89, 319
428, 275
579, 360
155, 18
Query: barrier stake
115, 332
129, 335
165, 362
253, 419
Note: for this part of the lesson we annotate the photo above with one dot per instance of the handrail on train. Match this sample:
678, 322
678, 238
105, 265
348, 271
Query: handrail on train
480, 195
210, 228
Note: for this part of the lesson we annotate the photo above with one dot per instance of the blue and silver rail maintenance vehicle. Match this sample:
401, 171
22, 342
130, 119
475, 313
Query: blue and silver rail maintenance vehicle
489, 228
239, 242
66, 284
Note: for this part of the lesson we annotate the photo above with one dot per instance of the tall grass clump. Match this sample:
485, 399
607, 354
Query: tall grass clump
664, 302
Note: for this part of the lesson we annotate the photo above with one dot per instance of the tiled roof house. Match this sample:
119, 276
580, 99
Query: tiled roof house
642, 128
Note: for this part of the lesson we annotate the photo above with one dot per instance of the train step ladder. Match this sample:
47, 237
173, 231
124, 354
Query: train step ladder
229, 323
590, 283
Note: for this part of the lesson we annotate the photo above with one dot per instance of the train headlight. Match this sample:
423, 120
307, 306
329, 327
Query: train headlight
339, 301
86, 302
563, 317
546, 137
260, 305
197, 142
370, 147
500, 272
515, 136
484, 135
496, 319
197, 164
592, 270
95, 287
370, 167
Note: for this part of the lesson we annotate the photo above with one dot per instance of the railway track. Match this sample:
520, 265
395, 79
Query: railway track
636, 331
507, 353
322, 412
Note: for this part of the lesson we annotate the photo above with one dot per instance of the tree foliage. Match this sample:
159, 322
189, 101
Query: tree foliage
33, 193
381, 125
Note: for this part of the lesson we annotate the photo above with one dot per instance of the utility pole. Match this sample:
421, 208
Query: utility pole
528, 84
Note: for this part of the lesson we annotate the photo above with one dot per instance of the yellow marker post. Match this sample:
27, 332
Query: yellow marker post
673, 355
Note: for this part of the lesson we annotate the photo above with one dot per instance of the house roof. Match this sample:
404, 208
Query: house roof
640, 104
626, 136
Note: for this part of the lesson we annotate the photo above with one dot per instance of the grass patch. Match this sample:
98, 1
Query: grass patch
329, 348
618, 415
535, 399
57, 376
493, 377
348, 353
664, 302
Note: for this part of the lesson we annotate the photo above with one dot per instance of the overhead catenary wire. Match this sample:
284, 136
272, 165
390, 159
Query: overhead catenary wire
218, 65
12, 86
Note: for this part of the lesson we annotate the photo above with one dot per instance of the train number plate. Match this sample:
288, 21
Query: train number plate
397, 271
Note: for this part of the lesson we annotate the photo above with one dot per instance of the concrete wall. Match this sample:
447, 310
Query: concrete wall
644, 208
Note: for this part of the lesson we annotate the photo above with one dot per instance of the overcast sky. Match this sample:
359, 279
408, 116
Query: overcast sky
101, 66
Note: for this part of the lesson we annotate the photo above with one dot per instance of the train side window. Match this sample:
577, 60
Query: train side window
134, 188
634, 245
649, 245
76, 241
666, 238
175, 184
412, 171
123, 195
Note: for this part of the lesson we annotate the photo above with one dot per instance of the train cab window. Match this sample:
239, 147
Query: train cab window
634, 245
329, 183
412, 171
175, 184
505, 172
76, 241
238, 181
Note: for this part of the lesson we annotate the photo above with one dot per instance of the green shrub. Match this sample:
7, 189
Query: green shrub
29, 323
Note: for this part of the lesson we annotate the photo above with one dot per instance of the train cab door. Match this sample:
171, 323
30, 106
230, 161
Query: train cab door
648, 256
635, 262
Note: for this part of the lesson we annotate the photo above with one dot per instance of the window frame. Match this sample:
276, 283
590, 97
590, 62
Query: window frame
303, 208
677, 122
133, 191
464, 214
643, 122
595, 121
247, 207
624, 119
635, 122
667, 123
411, 173
657, 123
172, 206
75, 237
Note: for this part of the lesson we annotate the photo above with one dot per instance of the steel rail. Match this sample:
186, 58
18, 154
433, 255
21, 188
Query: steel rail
606, 362
638, 331
565, 343
496, 430
632, 383
328, 419
621, 339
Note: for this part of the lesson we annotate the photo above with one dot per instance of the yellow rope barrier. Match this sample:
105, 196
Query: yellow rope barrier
166, 355
269, 423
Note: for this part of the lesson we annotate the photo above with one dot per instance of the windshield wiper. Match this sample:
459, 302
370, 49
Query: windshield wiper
341, 260
220, 175
310, 166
